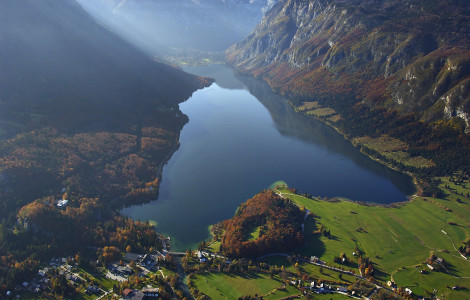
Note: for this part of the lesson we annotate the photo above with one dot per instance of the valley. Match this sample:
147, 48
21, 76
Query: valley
234, 149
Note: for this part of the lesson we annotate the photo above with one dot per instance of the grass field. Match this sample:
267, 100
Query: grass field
308, 106
233, 286
321, 112
393, 149
254, 234
396, 239
312, 270
214, 247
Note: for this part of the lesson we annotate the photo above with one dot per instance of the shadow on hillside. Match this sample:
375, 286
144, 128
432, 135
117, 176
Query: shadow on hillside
313, 246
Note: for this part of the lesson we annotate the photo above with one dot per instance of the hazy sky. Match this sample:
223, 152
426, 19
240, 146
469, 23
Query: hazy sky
155, 26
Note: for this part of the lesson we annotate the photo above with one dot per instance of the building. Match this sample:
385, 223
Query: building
127, 292
124, 270
312, 285
151, 293
62, 203
133, 295
201, 257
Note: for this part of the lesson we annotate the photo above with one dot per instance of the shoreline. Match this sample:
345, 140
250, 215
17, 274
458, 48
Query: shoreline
358, 147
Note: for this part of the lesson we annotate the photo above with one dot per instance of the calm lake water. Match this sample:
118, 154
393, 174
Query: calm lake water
240, 139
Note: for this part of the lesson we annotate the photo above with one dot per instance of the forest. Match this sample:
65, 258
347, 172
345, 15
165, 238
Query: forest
84, 117
276, 221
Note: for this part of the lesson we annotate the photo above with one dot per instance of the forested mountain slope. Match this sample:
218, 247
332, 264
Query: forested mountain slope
408, 61
80, 109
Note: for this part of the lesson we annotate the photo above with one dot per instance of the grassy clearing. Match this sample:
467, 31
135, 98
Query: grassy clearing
321, 112
214, 247
312, 270
282, 293
308, 106
280, 261
167, 272
396, 237
393, 149
334, 118
233, 286
254, 234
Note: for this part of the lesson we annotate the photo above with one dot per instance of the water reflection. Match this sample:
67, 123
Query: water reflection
240, 139
290, 123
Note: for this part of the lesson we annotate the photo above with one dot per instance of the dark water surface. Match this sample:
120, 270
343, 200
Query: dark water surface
240, 139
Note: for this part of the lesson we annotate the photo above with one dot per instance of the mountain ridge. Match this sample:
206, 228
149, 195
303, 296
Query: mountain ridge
378, 49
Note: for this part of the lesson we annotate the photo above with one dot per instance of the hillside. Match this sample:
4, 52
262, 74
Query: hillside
409, 59
266, 223
85, 117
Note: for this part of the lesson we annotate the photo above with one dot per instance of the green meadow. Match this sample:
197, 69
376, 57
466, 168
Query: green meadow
397, 239
236, 285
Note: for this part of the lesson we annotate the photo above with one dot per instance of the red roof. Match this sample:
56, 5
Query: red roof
126, 292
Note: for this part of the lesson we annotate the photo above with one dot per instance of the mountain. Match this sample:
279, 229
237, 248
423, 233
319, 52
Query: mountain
158, 25
80, 108
54, 49
412, 56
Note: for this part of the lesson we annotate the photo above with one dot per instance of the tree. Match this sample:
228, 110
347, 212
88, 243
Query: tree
129, 248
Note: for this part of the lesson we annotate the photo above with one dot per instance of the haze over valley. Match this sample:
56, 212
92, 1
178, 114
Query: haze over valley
234, 149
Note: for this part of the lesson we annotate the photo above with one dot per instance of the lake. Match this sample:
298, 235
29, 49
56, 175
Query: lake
240, 139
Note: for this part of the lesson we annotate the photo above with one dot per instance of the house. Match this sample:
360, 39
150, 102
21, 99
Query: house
133, 295
314, 259
91, 289
62, 203
25, 284
148, 261
430, 267
124, 270
439, 260
391, 284
312, 285
127, 292
151, 292
342, 289
408, 291
201, 257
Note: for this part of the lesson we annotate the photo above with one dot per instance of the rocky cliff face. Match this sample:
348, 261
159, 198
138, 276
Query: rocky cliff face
409, 55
